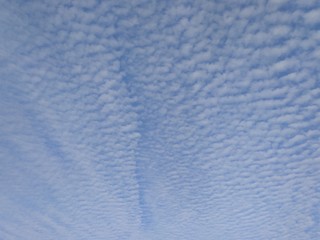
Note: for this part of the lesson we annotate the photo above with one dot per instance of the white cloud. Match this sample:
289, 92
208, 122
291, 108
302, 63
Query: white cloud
153, 120
311, 17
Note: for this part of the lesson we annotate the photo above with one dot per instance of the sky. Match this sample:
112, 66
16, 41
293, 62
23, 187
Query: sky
160, 119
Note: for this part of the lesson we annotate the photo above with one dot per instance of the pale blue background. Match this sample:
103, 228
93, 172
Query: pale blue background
160, 120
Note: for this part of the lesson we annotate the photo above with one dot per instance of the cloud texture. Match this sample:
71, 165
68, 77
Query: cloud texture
160, 120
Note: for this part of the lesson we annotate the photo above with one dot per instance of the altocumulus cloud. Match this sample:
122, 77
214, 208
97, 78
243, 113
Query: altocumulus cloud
160, 120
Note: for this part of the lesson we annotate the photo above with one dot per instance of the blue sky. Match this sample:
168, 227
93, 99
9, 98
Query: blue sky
158, 120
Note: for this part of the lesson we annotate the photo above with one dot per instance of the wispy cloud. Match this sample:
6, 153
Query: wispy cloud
159, 120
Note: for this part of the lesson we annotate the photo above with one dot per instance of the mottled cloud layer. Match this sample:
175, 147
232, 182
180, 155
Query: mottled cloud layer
160, 120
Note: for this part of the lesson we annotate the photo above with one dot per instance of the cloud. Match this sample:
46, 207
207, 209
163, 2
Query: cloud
311, 18
144, 120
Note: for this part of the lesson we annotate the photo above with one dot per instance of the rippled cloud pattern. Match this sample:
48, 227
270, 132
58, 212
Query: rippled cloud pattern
152, 120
